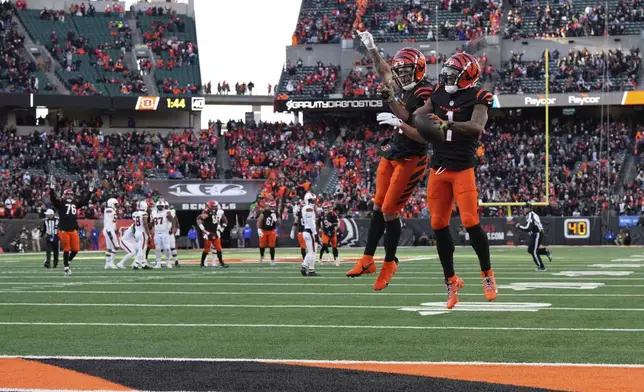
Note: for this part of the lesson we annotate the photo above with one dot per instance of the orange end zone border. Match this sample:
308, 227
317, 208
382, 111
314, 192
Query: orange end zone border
22, 374
559, 377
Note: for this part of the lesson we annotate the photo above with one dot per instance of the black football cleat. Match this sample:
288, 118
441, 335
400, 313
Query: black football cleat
146, 267
176, 264
46, 264
549, 254
303, 271
312, 273
224, 265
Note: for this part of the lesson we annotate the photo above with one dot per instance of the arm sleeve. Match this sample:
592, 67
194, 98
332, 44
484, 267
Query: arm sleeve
84, 201
54, 199
484, 97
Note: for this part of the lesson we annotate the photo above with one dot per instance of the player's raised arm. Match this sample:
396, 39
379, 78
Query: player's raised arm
382, 68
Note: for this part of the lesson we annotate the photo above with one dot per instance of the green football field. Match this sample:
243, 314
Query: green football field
587, 308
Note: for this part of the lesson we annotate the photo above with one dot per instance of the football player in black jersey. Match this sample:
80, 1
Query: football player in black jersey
68, 224
328, 223
212, 222
459, 108
403, 160
298, 222
266, 230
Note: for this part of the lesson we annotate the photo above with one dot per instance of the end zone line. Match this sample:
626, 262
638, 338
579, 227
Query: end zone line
287, 306
318, 326
329, 361
389, 294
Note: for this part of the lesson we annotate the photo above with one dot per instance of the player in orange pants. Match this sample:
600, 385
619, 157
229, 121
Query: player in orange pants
459, 109
266, 230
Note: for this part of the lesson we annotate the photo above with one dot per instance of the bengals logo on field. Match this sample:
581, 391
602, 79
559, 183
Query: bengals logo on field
147, 103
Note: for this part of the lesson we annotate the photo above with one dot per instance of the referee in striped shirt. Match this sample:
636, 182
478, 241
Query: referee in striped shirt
50, 228
534, 227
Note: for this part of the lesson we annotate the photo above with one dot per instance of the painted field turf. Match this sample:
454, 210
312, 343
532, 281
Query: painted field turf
272, 312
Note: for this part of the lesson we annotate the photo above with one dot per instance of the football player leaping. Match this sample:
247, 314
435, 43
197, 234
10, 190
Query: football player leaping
329, 232
308, 219
163, 222
212, 223
266, 224
403, 160
109, 232
459, 108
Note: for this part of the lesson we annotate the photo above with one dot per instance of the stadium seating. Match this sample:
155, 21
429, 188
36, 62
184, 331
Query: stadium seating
579, 71
575, 18
173, 39
317, 81
91, 39
397, 20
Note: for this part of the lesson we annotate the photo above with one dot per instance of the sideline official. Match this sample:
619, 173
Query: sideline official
50, 230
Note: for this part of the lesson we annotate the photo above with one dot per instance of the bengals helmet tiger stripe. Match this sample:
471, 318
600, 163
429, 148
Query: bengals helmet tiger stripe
408, 68
461, 71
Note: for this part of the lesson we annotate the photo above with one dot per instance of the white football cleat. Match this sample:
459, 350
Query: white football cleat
120, 265
272, 262
168, 264
68, 271
337, 262
110, 266
261, 259
157, 265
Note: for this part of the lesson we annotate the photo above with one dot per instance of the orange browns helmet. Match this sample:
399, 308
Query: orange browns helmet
461, 71
408, 68
326, 206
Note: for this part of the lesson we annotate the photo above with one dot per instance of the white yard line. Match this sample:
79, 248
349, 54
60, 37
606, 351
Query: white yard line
506, 294
321, 326
63, 282
274, 306
321, 361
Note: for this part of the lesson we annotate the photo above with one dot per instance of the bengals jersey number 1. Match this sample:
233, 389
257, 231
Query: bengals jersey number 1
458, 152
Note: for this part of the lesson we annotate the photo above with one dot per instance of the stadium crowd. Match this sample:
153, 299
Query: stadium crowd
579, 71
85, 153
565, 19
585, 162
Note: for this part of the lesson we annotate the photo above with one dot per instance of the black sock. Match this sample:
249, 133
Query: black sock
323, 249
478, 240
272, 251
445, 249
376, 229
66, 259
72, 254
220, 257
303, 252
203, 257
335, 253
391, 239
261, 251
147, 253
48, 257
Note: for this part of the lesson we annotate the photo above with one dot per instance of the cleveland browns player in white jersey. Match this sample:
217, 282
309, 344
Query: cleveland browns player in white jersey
109, 232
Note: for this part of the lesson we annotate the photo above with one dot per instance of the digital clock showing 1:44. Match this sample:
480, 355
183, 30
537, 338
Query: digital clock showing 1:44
577, 228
